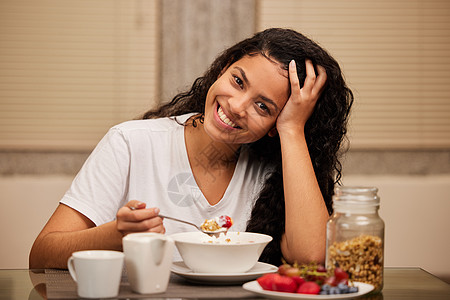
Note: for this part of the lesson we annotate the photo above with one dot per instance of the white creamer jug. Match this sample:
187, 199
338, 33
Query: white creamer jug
148, 259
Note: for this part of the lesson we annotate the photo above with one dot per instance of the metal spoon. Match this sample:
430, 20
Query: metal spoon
215, 233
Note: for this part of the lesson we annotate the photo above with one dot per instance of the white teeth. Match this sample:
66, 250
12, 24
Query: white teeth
224, 118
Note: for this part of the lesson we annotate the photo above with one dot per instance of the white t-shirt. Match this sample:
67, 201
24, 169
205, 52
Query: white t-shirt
146, 160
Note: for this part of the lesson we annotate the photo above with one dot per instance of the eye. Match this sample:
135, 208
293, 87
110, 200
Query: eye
238, 81
263, 107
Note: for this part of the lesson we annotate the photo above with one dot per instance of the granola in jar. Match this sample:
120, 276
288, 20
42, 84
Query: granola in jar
361, 257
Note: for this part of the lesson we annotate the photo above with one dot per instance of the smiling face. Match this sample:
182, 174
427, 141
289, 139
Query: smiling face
245, 101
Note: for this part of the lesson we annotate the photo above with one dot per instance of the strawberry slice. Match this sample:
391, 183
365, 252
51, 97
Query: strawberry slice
266, 281
284, 284
309, 287
340, 274
299, 280
226, 221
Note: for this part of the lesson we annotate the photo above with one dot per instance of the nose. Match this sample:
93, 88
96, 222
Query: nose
239, 105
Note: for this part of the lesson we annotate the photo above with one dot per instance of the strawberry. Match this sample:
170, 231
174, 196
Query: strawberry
299, 280
284, 284
266, 281
226, 221
340, 274
331, 281
309, 287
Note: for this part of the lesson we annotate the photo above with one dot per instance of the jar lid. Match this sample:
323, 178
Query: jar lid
348, 197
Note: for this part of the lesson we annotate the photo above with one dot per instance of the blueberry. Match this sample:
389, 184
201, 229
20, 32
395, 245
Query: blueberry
353, 289
322, 292
326, 287
343, 288
334, 291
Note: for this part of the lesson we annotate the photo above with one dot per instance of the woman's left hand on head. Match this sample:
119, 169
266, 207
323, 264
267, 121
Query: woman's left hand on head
302, 101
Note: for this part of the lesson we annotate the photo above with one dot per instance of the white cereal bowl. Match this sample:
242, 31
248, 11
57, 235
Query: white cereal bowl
204, 254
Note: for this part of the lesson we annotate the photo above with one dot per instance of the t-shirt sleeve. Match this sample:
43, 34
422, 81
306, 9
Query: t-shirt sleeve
100, 187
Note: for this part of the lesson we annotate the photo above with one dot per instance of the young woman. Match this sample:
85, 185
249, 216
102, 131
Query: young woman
256, 138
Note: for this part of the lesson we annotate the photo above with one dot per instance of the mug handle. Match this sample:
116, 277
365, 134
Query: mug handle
161, 247
158, 247
71, 268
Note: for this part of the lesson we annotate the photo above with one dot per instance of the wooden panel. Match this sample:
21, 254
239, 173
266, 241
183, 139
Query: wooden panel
395, 56
71, 69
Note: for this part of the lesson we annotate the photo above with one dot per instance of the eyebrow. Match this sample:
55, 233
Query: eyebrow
244, 77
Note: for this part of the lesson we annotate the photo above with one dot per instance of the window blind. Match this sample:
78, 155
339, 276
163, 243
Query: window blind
71, 69
395, 56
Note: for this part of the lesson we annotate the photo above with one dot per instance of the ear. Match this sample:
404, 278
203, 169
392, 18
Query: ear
272, 132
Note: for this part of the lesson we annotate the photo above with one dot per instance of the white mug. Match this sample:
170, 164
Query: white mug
96, 272
148, 258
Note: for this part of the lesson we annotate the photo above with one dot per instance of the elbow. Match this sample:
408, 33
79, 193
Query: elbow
37, 255
317, 257
298, 253
34, 261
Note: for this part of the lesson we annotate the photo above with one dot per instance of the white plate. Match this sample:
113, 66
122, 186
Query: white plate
259, 269
253, 286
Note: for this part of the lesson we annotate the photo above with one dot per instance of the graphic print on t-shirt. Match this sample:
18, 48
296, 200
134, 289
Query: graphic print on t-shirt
182, 190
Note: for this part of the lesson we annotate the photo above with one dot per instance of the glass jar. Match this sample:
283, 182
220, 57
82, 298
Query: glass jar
355, 235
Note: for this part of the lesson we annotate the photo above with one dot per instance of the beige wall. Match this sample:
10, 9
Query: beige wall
26, 203
415, 210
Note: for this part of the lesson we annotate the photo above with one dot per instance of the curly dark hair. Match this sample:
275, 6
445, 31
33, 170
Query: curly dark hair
325, 130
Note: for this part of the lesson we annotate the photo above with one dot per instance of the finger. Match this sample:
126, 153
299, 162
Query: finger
320, 80
134, 204
125, 214
129, 227
293, 78
143, 214
148, 224
310, 76
158, 229
144, 225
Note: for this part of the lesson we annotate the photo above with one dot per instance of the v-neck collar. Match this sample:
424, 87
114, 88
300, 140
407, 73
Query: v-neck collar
184, 159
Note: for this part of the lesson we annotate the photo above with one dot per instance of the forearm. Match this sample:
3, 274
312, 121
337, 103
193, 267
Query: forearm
52, 249
306, 213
